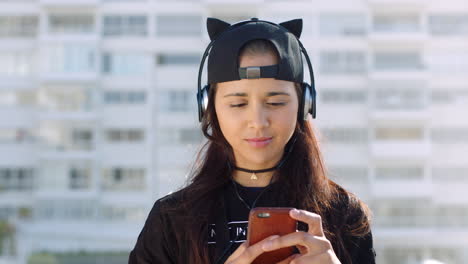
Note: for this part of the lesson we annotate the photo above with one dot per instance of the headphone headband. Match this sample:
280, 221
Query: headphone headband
202, 95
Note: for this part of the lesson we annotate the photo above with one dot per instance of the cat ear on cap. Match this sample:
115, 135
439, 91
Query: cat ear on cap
294, 26
215, 26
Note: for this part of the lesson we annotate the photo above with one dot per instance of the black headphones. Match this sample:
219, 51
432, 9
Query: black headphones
307, 102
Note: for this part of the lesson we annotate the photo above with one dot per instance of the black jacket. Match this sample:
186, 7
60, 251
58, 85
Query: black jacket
156, 242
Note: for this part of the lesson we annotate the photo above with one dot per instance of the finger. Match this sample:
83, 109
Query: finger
302, 249
313, 244
288, 259
314, 221
325, 257
253, 251
238, 251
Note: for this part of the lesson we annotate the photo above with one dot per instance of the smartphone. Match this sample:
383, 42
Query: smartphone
268, 221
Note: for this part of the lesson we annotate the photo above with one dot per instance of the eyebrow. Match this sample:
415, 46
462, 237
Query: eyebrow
268, 94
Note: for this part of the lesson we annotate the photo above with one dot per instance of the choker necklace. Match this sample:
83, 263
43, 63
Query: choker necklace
277, 166
254, 175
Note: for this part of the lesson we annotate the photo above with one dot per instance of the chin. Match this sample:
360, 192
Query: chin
263, 162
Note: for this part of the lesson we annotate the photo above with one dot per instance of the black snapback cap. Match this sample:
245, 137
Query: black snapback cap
228, 40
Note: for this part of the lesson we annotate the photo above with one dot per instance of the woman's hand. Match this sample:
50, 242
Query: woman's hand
313, 246
245, 254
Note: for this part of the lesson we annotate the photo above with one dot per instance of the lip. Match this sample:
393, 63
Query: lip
259, 142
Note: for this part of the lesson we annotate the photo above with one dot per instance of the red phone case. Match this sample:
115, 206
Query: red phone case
268, 221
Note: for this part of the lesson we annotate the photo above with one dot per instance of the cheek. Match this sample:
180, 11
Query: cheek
227, 124
288, 117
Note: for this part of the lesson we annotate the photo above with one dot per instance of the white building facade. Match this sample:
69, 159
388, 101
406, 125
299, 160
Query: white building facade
98, 117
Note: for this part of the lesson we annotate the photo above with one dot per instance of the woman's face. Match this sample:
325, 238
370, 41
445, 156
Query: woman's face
257, 116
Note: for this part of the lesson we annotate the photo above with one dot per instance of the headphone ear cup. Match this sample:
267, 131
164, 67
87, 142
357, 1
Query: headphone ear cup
202, 100
307, 101
313, 109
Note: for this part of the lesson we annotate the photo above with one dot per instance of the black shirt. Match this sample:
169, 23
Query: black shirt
156, 242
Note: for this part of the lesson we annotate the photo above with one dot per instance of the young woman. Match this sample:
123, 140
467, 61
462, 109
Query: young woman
261, 151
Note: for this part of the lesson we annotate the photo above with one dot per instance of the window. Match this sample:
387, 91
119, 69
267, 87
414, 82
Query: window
15, 63
452, 216
190, 135
448, 24
7, 98
449, 97
180, 136
80, 178
349, 173
339, 24
399, 95
66, 98
342, 62
399, 173
71, 58
7, 212
130, 1
177, 101
399, 133
405, 255
7, 135
125, 64
16, 179
345, 135
63, 209
82, 139
73, 23
343, 96
450, 174
404, 213
15, 135
114, 213
130, 25
125, 135
18, 26
450, 135
178, 59
179, 25
446, 255
448, 62
125, 97
398, 60
234, 17
124, 179
399, 98
396, 23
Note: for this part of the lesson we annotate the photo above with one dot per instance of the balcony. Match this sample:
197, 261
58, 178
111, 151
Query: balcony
396, 101
397, 110
65, 140
90, 77
401, 189
397, 5
18, 153
66, 3
389, 29
16, 116
398, 64
392, 38
67, 103
400, 149
66, 151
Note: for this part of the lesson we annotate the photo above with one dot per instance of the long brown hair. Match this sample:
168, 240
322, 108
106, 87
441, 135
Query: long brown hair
303, 175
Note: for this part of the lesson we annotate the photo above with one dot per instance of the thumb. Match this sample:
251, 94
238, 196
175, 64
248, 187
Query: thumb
238, 251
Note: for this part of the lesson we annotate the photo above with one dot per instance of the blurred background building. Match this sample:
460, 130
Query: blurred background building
98, 118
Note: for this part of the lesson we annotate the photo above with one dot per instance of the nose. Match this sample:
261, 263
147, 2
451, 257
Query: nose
258, 116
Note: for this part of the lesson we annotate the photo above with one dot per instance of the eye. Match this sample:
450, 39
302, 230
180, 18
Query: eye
277, 103
237, 105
